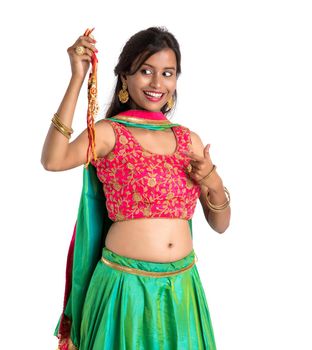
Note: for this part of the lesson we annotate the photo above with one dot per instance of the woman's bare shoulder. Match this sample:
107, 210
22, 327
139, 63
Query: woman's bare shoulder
197, 144
104, 136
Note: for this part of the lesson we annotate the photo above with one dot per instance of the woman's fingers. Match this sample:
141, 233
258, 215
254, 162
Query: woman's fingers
88, 52
193, 156
200, 164
80, 63
88, 45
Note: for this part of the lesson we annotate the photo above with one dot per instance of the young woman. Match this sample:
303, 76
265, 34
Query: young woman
143, 291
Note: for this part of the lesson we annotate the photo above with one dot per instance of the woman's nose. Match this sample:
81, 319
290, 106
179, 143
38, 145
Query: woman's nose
156, 81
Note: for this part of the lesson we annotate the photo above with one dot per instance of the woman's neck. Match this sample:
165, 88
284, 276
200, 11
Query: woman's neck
132, 105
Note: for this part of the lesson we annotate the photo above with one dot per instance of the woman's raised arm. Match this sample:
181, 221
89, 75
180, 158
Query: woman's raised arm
57, 153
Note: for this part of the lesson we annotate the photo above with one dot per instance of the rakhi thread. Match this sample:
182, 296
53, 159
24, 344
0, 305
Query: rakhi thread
93, 106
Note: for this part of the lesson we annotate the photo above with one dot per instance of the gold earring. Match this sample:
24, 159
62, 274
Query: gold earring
123, 93
170, 102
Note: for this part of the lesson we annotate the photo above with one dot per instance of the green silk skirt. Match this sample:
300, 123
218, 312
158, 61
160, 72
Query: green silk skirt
124, 310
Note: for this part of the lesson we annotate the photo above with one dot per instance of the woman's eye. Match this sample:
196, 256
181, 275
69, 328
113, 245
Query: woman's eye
145, 70
168, 74
148, 71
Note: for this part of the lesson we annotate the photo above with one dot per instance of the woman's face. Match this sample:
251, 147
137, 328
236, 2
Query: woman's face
155, 81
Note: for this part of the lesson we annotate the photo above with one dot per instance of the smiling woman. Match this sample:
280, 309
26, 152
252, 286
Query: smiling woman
155, 82
132, 281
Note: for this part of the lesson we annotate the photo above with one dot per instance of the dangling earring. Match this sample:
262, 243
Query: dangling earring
170, 102
123, 93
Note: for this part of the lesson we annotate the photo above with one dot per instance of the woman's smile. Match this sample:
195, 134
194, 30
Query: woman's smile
153, 96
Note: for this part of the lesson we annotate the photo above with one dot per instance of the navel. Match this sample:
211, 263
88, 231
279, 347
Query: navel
170, 245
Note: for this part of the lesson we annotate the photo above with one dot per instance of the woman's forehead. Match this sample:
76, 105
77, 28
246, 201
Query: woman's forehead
162, 59
162, 56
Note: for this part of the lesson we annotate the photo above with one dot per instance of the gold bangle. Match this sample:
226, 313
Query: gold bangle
218, 210
217, 206
61, 130
56, 123
221, 207
205, 177
60, 124
61, 127
56, 117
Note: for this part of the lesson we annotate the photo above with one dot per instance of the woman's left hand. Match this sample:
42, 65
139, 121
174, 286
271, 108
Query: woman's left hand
201, 166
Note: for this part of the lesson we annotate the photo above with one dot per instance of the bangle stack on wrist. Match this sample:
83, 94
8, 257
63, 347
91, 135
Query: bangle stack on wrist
221, 207
61, 127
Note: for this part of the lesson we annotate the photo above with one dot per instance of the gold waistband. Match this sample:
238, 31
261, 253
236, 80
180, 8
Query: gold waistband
147, 273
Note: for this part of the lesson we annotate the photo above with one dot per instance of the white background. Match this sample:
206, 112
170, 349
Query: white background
245, 88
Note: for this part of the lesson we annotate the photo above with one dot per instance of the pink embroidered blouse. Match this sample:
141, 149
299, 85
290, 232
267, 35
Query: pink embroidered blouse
141, 184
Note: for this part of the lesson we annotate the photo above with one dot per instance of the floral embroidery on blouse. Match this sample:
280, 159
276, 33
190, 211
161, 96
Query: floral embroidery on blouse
141, 184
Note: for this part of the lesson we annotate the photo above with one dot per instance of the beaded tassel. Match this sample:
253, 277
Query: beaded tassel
93, 106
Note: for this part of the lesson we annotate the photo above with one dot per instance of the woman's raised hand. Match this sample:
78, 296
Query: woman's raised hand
80, 63
202, 167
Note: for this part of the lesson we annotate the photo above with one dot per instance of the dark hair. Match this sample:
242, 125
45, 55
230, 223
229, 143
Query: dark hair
136, 51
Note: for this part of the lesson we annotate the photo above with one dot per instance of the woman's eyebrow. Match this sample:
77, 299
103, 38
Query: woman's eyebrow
146, 64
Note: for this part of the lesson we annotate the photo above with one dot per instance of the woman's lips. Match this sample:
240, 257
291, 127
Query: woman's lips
153, 96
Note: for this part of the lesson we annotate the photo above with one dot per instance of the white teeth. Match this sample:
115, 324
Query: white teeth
153, 94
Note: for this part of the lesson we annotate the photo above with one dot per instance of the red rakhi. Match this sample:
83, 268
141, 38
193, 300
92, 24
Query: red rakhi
93, 106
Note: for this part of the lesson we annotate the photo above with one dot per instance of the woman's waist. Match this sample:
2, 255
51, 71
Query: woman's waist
156, 252
153, 240
165, 227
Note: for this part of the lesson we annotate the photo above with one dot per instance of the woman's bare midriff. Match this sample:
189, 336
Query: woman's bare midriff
157, 240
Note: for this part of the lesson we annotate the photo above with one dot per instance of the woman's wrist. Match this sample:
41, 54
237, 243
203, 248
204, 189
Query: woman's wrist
77, 79
215, 184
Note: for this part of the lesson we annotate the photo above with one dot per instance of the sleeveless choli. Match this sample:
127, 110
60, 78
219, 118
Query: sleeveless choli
140, 184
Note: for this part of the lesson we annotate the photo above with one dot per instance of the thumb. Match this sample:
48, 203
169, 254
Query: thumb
206, 150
